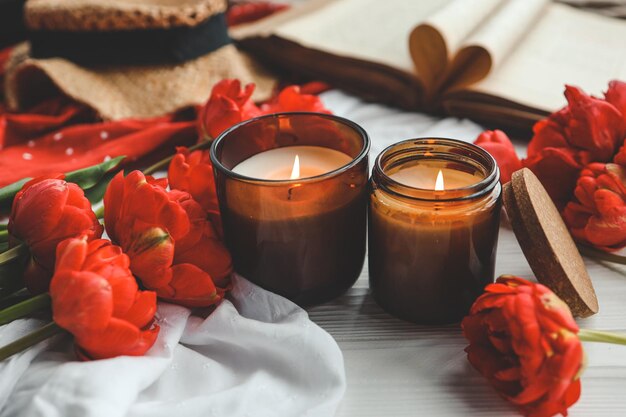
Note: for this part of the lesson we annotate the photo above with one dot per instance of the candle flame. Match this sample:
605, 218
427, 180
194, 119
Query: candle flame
439, 182
295, 171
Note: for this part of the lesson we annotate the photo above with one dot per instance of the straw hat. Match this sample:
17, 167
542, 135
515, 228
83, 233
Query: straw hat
127, 58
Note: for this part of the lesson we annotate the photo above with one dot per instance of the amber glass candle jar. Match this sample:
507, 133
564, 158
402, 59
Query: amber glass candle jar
297, 231
433, 227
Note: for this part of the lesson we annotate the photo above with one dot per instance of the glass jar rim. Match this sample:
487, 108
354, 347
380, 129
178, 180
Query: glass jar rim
470, 192
321, 177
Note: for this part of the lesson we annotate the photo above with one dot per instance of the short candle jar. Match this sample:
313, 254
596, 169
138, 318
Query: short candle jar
292, 189
433, 228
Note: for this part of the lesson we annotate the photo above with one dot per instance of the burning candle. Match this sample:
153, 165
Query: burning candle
292, 162
292, 192
433, 228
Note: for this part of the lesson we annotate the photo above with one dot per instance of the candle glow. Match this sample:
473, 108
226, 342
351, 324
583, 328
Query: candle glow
439, 182
295, 171
285, 163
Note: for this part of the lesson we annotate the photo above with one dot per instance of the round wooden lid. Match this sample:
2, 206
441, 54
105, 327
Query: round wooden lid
547, 243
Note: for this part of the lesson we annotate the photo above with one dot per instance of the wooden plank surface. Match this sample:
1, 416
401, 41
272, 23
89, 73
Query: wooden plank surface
395, 368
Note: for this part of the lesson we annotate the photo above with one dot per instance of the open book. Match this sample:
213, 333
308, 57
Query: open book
500, 62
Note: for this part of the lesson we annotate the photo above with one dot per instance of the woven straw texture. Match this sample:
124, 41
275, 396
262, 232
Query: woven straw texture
132, 91
92, 15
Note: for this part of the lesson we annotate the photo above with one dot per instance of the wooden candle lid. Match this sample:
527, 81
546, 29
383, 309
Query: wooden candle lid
547, 243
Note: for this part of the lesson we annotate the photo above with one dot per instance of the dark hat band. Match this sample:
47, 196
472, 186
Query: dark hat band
132, 47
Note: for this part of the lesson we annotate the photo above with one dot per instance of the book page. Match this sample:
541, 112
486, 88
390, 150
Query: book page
492, 42
371, 30
433, 43
461, 18
504, 29
566, 46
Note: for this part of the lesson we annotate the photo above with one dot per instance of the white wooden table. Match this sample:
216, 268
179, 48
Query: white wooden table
395, 368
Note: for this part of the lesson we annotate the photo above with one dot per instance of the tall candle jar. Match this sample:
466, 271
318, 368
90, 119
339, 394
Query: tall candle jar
299, 232
434, 214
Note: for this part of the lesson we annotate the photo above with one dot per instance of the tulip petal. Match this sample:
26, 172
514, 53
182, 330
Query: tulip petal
616, 95
190, 286
71, 254
113, 198
151, 255
208, 254
118, 338
143, 309
498, 144
81, 301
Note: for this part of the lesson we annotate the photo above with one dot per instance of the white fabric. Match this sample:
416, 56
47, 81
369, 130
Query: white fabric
256, 355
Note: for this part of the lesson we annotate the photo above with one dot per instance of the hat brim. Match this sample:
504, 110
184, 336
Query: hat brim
130, 91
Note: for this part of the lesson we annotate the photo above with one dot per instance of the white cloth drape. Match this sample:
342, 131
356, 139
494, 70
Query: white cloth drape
256, 355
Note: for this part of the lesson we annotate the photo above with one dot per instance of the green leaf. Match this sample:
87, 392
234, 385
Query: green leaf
90, 176
85, 178
31, 339
13, 253
8, 192
12, 264
595, 253
23, 308
96, 193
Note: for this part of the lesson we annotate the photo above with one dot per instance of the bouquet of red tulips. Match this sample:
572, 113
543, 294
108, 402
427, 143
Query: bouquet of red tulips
523, 338
579, 154
165, 239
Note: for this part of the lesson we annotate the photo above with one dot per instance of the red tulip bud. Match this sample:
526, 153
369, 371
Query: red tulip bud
45, 212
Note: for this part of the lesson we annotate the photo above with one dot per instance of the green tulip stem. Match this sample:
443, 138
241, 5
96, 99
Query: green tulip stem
24, 308
601, 337
14, 296
163, 163
14, 252
602, 255
29, 340
99, 212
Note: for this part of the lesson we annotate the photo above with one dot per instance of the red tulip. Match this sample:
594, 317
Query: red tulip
597, 214
46, 211
202, 239
291, 99
193, 172
227, 106
95, 297
498, 144
173, 248
616, 95
620, 156
587, 130
524, 340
